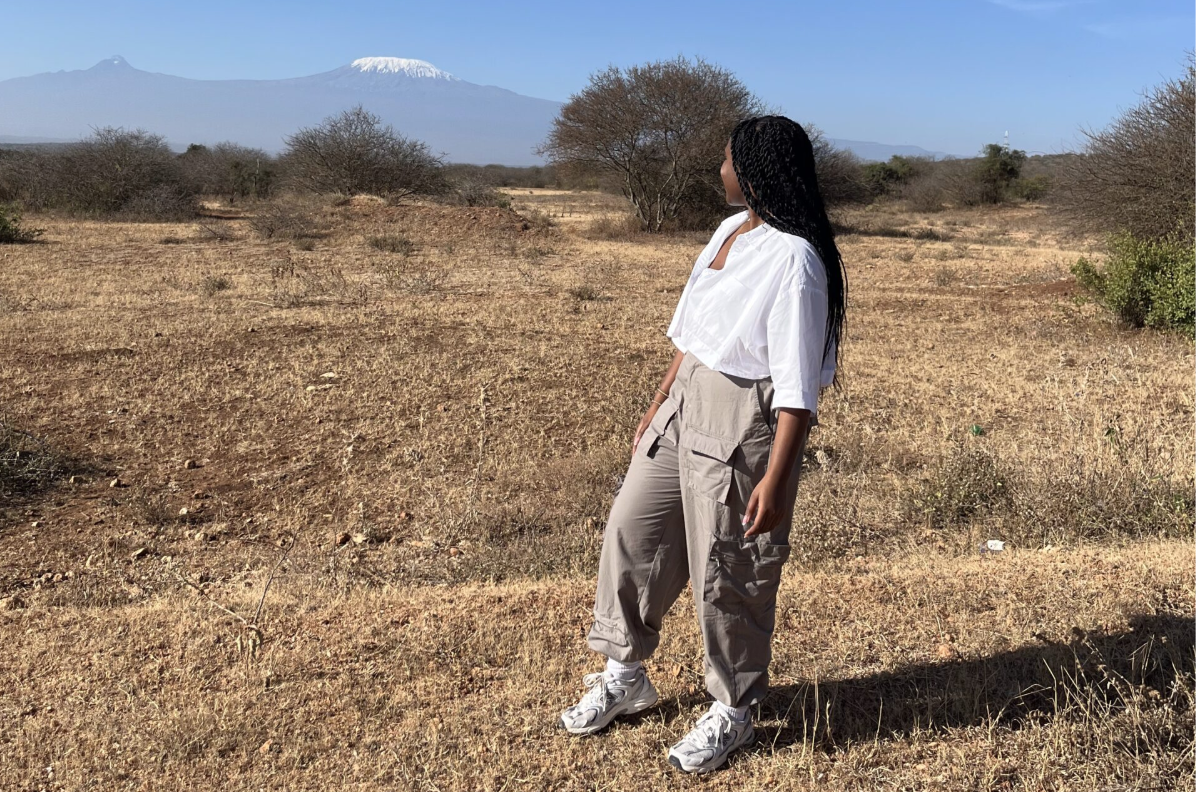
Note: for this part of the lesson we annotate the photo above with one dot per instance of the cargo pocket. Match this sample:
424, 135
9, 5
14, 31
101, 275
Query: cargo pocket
659, 427
747, 574
709, 461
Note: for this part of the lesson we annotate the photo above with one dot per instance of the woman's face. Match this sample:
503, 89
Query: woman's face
732, 190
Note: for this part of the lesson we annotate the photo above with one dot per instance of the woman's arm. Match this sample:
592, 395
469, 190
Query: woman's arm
657, 398
764, 504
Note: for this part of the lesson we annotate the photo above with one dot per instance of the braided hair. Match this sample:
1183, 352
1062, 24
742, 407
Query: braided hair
775, 167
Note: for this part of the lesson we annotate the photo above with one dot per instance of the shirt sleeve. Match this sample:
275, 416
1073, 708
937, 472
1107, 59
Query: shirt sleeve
795, 338
674, 331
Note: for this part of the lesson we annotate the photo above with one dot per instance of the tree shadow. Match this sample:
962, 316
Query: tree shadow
1156, 653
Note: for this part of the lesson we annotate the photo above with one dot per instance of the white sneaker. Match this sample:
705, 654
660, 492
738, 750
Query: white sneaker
707, 746
606, 699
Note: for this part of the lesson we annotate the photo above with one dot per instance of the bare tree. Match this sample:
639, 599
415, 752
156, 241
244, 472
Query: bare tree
114, 171
355, 152
660, 128
229, 170
1138, 173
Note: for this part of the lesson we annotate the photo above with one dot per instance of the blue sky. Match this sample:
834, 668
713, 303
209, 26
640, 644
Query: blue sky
948, 75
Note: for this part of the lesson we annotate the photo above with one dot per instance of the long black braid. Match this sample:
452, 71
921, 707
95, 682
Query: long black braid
775, 167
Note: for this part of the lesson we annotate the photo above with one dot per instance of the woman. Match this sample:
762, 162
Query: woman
710, 490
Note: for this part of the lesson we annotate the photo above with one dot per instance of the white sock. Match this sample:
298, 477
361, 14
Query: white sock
622, 671
739, 713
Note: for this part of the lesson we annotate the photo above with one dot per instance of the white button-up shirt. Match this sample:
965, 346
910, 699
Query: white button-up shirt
762, 315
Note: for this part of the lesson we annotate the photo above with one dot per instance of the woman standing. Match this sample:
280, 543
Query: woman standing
710, 491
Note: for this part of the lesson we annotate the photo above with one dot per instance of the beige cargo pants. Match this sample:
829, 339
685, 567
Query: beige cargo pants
677, 516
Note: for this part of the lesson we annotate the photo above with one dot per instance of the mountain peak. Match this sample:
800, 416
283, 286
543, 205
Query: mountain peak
408, 67
116, 61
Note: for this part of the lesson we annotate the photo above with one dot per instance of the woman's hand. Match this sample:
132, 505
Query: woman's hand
762, 510
764, 503
664, 387
643, 425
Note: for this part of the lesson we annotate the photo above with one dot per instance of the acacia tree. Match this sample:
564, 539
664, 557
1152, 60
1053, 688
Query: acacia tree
1138, 173
355, 152
659, 128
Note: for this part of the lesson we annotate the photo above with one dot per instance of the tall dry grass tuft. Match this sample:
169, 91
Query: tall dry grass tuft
28, 462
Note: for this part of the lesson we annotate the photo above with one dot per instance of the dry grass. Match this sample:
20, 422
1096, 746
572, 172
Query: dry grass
417, 448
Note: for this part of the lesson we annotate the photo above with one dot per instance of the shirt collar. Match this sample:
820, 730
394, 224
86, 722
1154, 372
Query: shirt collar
753, 234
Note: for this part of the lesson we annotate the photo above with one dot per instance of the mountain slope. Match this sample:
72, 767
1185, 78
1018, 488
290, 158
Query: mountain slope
467, 122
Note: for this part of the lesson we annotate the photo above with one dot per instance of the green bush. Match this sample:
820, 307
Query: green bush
886, 178
1146, 282
12, 231
998, 167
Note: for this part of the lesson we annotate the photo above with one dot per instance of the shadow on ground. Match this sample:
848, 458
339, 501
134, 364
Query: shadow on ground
1100, 672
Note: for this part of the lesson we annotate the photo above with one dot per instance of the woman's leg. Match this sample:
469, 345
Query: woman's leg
642, 566
724, 446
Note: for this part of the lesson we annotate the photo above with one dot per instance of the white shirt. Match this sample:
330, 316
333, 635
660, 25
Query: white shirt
762, 315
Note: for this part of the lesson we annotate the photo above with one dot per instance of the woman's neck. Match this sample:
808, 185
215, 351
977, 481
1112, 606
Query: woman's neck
754, 219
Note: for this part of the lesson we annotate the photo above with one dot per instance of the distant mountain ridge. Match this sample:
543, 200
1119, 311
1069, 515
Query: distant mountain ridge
880, 152
467, 122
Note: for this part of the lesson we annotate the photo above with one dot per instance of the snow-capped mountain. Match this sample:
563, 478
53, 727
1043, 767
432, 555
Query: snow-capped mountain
466, 121
407, 67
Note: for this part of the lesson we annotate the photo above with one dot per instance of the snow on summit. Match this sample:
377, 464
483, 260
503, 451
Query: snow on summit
406, 66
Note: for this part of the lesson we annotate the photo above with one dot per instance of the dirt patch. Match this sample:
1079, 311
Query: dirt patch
1062, 287
442, 224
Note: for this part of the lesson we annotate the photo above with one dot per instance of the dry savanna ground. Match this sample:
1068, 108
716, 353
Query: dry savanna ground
318, 506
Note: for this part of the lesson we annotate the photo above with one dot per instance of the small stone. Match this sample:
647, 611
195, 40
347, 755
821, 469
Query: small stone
190, 464
76, 480
36, 524
359, 538
200, 536
266, 747
115, 483
138, 553
184, 511
403, 515
329, 375
453, 551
